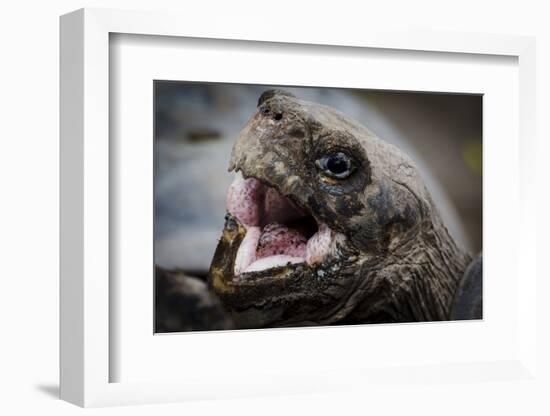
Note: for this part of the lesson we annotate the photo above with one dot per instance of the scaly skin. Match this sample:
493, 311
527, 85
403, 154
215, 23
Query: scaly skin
393, 259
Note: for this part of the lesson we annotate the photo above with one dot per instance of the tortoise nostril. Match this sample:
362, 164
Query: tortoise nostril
278, 116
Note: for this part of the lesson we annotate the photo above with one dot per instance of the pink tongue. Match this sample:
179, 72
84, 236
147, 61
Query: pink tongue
278, 239
254, 204
242, 200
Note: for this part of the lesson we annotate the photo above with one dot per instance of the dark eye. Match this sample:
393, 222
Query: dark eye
336, 165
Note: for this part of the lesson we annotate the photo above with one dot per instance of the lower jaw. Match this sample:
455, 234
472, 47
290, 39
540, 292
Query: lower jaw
290, 295
282, 297
290, 275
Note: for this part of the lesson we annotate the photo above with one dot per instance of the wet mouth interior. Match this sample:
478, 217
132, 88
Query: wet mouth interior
278, 232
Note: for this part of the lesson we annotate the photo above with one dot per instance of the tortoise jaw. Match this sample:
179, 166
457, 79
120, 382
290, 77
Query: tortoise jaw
284, 294
225, 273
262, 289
278, 296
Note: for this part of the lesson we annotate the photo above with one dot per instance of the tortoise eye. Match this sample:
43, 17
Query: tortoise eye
336, 165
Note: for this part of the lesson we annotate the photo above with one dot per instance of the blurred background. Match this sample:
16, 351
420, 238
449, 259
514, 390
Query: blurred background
196, 125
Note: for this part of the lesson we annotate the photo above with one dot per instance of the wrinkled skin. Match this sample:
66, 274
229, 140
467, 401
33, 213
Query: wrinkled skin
391, 260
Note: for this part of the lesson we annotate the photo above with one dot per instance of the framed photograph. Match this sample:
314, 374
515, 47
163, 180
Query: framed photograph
285, 213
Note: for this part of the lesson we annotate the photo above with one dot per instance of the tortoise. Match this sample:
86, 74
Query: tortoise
328, 224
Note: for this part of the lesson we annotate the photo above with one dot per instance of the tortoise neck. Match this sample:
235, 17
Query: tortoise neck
417, 282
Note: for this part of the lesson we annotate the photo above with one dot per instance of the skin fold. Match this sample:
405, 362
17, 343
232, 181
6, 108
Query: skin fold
391, 259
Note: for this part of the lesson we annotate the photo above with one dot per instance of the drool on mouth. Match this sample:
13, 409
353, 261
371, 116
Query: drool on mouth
278, 232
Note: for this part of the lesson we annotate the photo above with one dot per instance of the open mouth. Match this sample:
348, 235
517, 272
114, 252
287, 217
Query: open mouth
278, 232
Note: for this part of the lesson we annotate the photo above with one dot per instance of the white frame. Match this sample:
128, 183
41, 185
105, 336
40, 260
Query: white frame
85, 190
